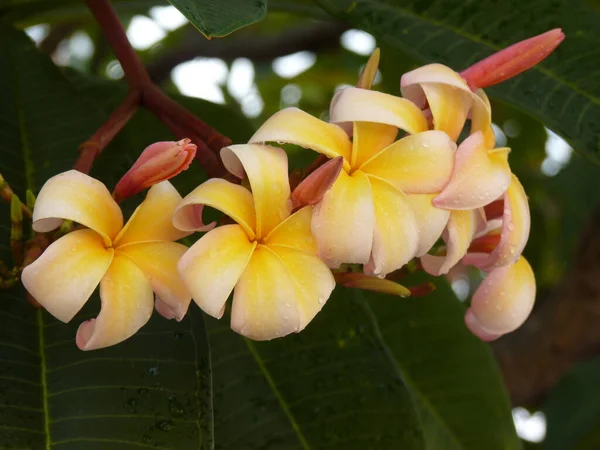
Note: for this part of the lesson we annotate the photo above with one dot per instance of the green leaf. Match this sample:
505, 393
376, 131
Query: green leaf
216, 18
561, 91
153, 391
371, 371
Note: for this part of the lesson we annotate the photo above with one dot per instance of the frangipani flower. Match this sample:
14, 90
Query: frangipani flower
372, 214
268, 258
129, 262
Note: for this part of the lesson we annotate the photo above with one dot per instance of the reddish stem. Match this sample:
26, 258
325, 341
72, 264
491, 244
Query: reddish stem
90, 149
107, 18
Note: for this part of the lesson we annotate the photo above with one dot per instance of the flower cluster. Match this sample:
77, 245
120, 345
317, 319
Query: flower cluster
410, 176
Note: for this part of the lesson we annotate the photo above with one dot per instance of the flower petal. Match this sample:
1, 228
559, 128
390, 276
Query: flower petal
64, 277
266, 302
344, 220
213, 265
481, 118
449, 107
151, 221
421, 163
430, 220
369, 138
231, 199
369, 71
516, 223
294, 126
462, 227
503, 301
127, 304
479, 176
362, 105
158, 261
294, 232
313, 280
267, 171
396, 235
410, 83
78, 197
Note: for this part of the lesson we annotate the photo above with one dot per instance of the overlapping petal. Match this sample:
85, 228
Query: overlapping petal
421, 163
64, 277
127, 304
294, 232
78, 197
431, 220
396, 232
266, 301
151, 221
294, 126
462, 227
344, 221
362, 105
479, 177
369, 138
231, 199
158, 261
266, 168
313, 280
503, 301
213, 265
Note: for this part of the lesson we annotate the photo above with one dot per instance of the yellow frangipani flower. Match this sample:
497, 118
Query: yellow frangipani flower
129, 262
372, 214
268, 258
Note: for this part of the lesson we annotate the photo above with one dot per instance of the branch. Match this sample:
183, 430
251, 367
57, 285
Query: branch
314, 38
562, 330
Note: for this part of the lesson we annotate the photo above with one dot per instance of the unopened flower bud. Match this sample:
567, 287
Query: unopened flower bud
158, 162
362, 281
312, 189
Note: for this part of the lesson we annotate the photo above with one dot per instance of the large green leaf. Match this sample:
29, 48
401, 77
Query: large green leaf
216, 18
152, 391
561, 91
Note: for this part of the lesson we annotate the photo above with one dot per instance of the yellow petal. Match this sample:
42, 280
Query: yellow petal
369, 71
369, 138
431, 221
127, 304
294, 232
361, 105
64, 277
231, 199
267, 171
449, 107
158, 261
438, 74
344, 220
152, 221
396, 235
481, 118
266, 302
417, 164
78, 197
479, 176
503, 301
462, 227
294, 126
213, 265
313, 280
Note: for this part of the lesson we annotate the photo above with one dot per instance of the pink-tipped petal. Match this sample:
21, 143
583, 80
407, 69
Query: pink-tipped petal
158, 261
64, 277
475, 327
396, 232
431, 74
127, 304
294, 126
462, 227
152, 221
344, 220
479, 176
512, 60
231, 199
213, 265
416, 164
504, 299
78, 197
361, 105
267, 171
165, 310
431, 221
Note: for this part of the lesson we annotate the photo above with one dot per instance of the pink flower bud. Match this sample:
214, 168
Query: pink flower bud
158, 162
512, 60
312, 189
